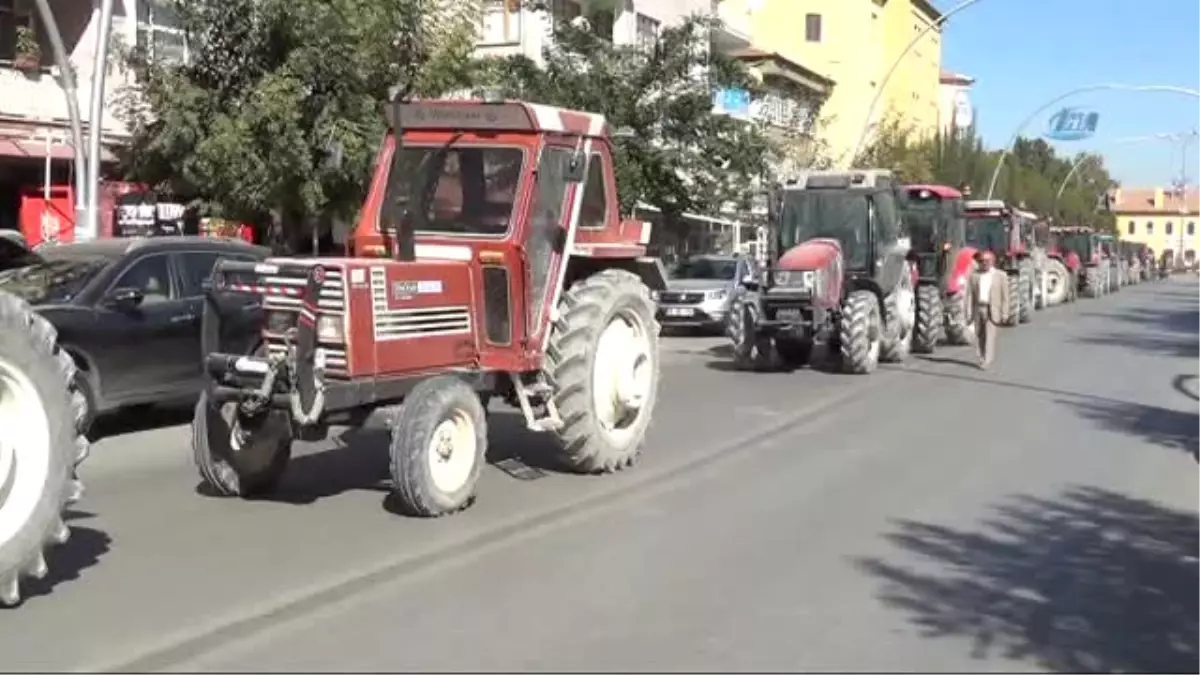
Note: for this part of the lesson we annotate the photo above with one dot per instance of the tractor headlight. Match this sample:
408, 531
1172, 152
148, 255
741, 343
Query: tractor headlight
329, 329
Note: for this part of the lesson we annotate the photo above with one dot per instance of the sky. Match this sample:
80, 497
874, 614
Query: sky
1024, 53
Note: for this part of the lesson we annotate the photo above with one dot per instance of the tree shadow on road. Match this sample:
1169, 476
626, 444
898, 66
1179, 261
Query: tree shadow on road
1090, 581
360, 460
1184, 319
1180, 347
66, 563
1180, 384
1163, 427
140, 418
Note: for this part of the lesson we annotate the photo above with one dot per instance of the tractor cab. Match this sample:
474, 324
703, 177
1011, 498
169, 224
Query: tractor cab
993, 226
1082, 241
836, 225
933, 221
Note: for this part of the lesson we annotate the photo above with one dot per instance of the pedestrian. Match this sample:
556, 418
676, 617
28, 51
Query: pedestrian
988, 296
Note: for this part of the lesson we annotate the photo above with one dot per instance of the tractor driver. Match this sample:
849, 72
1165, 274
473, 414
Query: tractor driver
988, 295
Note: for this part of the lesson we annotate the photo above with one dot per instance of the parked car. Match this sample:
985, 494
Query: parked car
14, 251
128, 311
700, 290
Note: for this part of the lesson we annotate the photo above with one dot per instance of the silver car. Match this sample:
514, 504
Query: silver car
699, 291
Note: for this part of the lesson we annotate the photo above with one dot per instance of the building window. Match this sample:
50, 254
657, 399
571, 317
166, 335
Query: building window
1132, 228
812, 27
647, 32
601, 20
500, 22
1191, 228
1149, 227
1170, 228
565, 10
158, 33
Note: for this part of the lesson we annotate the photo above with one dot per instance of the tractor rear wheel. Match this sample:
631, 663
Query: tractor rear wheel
40, 444
929, 329
246, 465
860, 333
439, 447
603, 360
1057, 280
1015, 300
1025, 288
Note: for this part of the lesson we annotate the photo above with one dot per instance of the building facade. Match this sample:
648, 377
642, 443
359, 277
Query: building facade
35, 143
854, 43
955, 109
1166, 219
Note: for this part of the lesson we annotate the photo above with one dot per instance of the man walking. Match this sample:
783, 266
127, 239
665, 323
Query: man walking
988, 295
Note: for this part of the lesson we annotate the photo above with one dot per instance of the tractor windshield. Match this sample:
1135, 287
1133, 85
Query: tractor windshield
926, 224
462, 190
988, 233
832, 214
1079, 244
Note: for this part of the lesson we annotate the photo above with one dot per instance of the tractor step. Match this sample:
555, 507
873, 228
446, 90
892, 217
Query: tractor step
545, 419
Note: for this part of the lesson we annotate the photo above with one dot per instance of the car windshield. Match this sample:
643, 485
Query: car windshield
833, 214
989, 234
448, 189
53, 279
705, 268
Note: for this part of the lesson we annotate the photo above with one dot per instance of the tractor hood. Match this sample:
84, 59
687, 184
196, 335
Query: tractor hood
814, 254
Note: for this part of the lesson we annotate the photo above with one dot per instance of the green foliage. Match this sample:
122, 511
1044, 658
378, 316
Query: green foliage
1032, 175
680, 158
272, 88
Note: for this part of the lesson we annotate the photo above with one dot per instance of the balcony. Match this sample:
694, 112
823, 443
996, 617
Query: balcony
736, 27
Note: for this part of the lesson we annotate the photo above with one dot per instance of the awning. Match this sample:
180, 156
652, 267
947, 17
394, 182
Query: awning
36, 149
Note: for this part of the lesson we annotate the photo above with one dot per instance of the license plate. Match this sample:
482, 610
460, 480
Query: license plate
680, 311
788, 315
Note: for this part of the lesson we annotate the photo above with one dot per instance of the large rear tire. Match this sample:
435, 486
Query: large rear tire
930, 325
1094, 287
41, 415
1016, 300
603, 361
1057, 282
860, 333
439, 447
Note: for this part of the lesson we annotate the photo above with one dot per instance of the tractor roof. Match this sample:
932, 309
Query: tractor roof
940, 191
985, 205
833, 179
498, 116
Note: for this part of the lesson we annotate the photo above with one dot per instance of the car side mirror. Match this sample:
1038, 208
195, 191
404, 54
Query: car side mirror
125, 299
750, 282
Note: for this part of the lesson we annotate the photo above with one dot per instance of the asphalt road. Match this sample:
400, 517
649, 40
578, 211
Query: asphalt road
930, 517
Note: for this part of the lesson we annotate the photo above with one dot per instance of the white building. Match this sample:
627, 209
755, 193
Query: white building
34, 129
955, 110
512, 27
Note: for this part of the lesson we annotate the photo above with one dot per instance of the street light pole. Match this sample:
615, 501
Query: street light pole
67, 75
866, 130
1078, 90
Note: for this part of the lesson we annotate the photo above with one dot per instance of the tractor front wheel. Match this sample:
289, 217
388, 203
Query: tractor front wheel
929, 328
439, 445
860, 333
960, 329
1016, 300
751, 351
1094, 285
603, 359
240, 458
1025, 288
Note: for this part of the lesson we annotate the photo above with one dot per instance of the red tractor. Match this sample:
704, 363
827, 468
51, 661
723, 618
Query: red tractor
934, 224
1082, 245
490, 261
837, 275
994, 226
1062, 266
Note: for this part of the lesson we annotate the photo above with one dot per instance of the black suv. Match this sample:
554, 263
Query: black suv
128, 311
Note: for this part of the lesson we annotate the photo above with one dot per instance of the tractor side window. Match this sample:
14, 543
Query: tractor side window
544, 239
467, 190
593, 213
887, 219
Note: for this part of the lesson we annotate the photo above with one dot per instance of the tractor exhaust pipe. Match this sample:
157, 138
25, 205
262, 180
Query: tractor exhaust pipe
400, 216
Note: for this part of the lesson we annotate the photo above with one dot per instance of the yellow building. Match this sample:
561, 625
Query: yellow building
854, 43
1160, 218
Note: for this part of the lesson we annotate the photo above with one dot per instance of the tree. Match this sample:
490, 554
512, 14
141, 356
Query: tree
680, 157
276, 116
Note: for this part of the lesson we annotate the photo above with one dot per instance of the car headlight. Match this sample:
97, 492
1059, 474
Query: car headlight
719, 294
329, 329
654, 295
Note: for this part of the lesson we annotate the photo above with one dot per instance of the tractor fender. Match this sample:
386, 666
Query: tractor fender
824, 257
648, 268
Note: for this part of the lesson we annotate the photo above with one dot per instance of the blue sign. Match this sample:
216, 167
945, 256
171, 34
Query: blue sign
732, 102
1072, 124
